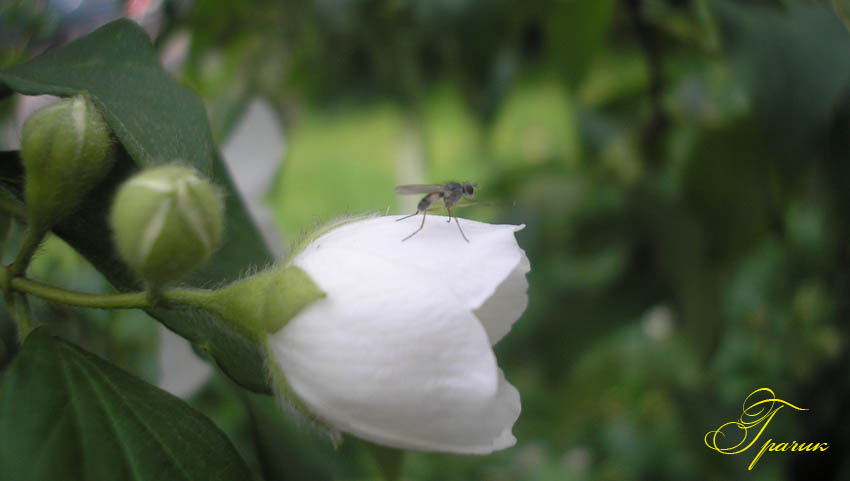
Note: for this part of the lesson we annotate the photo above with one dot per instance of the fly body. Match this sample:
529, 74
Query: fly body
450, 193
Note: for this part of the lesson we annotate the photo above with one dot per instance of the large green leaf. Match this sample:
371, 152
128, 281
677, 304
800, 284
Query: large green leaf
67, 414
793, 62
577, 29
287, 451
156, 120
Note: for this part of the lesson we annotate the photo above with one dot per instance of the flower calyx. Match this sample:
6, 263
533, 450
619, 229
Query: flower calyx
265, 302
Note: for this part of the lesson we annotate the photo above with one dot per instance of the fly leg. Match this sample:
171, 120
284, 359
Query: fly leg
448, 208
407, 216
422, 207
424, 213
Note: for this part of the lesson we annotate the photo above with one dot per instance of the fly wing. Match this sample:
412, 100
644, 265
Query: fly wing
418, 189
471, 203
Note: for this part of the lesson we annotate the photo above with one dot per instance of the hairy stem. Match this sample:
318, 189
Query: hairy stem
127, 300
13, 210
130, 300
188, 297
32, 239
20, 312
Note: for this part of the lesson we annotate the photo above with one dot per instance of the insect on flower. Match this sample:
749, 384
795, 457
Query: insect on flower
450, 193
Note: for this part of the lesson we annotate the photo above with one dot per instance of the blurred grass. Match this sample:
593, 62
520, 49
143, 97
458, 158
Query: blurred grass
336, 163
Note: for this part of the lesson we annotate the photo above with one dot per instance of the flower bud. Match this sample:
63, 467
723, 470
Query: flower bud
66, 150
166, 221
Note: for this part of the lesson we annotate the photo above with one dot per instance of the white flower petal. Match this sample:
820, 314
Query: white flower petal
473, 270
505, 406
503, 308
390, 356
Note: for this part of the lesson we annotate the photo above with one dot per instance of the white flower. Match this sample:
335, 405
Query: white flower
399, 352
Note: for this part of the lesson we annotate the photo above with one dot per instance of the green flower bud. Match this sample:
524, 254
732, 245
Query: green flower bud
167, 221
66, 150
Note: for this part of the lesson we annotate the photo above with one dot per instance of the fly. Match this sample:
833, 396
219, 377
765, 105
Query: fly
450, 193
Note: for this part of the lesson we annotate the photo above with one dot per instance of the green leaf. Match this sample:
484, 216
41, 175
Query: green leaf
577, 29
536, 123
67, 414
793, 62
288, 451
156, 120
731, 184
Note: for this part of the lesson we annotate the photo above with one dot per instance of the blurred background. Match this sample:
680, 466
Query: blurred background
681, 167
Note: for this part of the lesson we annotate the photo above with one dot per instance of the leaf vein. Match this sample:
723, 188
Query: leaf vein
118, 393
112, 424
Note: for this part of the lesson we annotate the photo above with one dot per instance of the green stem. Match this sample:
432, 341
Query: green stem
18, 309
128, 300
20, 312
13, 210
188, 297
16, 306
32, 239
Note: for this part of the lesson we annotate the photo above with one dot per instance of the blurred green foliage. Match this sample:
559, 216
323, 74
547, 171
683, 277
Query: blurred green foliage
682, 170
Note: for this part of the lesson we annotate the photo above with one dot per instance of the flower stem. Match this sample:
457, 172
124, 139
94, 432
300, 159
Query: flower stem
130, 300
13, 210
127, 300
32, 239
19, 311
188, 297
13, 286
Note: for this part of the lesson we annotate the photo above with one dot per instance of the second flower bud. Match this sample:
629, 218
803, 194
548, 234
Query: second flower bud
167, 221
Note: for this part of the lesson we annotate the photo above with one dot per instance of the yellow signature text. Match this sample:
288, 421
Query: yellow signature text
737, 436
